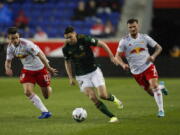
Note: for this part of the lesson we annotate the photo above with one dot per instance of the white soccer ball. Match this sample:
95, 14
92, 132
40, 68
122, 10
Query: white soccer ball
79, 114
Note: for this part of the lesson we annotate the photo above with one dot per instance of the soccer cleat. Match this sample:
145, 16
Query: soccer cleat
161, 114
118, 102
113, 119
164, 89
45, 115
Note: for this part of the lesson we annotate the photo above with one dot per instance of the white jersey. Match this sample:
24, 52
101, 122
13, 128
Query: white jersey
136, 51
27, 52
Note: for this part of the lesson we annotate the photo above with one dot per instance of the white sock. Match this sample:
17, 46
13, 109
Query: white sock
38, 103
161, 87
159, 99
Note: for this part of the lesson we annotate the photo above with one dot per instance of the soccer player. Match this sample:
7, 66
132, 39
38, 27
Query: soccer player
35, 66
77, 51
135, 48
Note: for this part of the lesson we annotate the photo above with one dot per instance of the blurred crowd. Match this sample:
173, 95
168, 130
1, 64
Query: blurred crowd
98, 11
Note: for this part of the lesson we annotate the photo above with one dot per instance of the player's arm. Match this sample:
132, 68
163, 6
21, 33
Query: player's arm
46, 63
120, 61
106, 48
158, 50
8, 67
68, 68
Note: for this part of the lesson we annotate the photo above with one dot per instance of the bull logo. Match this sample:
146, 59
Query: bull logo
137, 50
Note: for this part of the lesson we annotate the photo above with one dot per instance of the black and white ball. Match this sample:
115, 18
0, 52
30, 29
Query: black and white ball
79, 114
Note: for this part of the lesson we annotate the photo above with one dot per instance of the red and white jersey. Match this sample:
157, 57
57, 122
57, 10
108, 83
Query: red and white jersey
136, 51
27, 52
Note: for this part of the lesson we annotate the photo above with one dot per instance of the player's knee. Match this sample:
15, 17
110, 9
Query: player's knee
154, 87
93, 98
28, 93
103, 97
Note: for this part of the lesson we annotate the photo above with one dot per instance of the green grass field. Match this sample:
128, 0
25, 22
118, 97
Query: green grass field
19, 117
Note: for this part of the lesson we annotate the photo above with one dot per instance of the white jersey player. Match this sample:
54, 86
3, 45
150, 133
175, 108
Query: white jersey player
135, 48
35, 66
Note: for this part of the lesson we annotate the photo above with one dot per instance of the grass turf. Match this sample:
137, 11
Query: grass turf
19, 117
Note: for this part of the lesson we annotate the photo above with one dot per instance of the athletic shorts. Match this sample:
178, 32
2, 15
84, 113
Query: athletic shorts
41, 77
144, 77
92, 79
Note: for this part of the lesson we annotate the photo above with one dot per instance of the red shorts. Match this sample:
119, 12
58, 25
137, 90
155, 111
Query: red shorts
143, 78
41, 77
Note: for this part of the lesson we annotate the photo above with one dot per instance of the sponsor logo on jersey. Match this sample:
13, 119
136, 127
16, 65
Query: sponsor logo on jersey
137, 50
21, 56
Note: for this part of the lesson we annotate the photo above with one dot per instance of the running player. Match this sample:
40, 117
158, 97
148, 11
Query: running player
135, 47
35, 66
77, 50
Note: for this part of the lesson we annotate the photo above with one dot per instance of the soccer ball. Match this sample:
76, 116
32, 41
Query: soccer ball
79, 114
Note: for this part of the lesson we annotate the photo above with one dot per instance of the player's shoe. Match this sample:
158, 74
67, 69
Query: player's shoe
113, 119
45, 115
118, 103
164, 89
161, 114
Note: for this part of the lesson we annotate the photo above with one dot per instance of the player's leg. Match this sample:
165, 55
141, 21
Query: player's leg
46, 91
153, 85
99, 82
86, 87
28, 90
152, 77
163, 88
100, 105
43, 80
103, 94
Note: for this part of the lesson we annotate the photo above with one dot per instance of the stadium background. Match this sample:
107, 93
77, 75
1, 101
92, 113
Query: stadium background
159, 18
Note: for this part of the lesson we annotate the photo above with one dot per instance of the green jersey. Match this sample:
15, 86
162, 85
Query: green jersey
81, 54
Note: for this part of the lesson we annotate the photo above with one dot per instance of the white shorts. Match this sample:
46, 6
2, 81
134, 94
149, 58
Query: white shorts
92, 79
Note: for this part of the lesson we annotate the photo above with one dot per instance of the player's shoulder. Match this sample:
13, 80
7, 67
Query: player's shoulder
26, 42
10, 47
65, 46
143, 35
125, 39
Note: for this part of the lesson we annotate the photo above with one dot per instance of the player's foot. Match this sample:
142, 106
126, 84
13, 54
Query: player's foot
164, 89
118, 103
45, 115
113, 119
161, 114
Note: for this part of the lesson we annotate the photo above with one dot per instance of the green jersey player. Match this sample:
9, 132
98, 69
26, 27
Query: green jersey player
77, 51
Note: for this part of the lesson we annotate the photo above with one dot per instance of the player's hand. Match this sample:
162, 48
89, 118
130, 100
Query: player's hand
151, 59
72, 82
114, 60
9, 72
53, 71
125, 67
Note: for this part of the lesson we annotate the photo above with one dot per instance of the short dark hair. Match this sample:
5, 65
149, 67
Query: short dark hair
132, 20
12, 30
69, 29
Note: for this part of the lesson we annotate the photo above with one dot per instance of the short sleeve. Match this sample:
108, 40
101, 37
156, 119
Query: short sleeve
151, 42
33, 49
91, 41
121, 46
65, 54
10, 53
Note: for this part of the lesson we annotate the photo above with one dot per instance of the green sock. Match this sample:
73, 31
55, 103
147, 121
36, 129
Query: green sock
102, 107
110, 98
